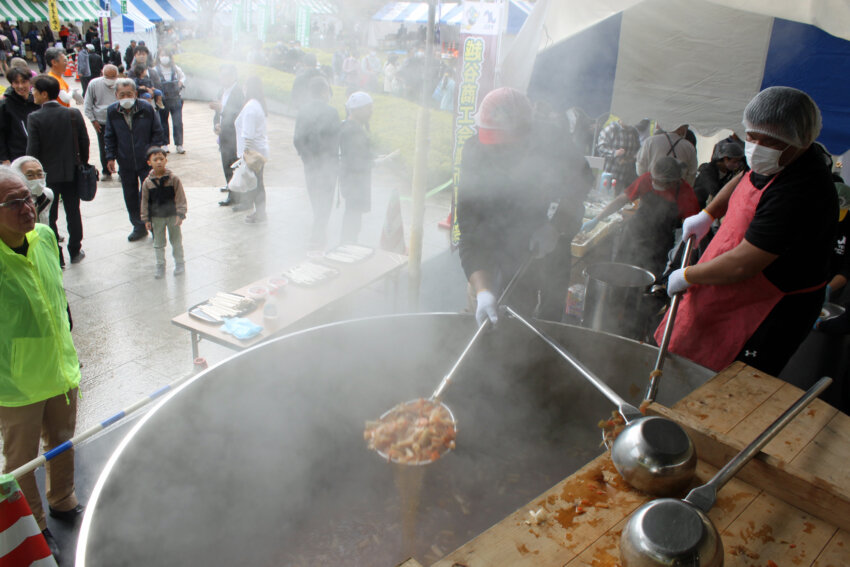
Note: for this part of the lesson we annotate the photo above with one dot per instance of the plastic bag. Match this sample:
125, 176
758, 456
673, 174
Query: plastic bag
243, 179
241, 328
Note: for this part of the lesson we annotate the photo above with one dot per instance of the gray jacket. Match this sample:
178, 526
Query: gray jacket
98, 98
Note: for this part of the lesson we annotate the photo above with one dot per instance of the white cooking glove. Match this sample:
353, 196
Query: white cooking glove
78, 96
65, 97
544, 240
677, 283
697, 225
486, 308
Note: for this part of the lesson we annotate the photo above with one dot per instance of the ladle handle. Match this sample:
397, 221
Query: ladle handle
508, 288
655, 375
705, 495
628, 411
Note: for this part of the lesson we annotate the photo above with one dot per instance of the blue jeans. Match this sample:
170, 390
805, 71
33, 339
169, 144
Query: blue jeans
175, 108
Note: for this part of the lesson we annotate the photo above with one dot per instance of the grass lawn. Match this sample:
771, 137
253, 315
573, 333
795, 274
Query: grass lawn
393, 121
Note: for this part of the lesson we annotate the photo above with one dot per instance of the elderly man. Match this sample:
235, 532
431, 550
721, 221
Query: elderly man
56, 135
33, 173
132, 126
100, 94
39, 370
57, 62
759, 286
669, 144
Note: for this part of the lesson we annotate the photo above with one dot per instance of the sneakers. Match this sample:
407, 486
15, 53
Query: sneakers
78, 258
179, 269
160, 271
255, 218
180, 150
137, 234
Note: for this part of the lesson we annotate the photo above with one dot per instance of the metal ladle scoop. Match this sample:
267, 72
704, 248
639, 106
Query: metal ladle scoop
653, 454
668, 531
435, 397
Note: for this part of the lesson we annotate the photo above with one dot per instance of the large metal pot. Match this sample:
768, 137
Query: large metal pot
260, 460
614, 299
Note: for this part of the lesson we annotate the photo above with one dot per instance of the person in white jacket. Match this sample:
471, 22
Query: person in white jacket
251, 136
33, 173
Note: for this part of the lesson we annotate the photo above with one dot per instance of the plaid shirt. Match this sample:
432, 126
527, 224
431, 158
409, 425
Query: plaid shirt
612, 138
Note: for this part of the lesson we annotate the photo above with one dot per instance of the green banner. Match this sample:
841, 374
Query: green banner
302, 26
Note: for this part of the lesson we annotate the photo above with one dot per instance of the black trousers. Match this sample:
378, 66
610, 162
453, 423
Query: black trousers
131, 181
74, 223
101, 146
321, 184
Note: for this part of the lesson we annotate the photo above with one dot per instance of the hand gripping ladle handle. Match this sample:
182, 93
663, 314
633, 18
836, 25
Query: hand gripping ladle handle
628, 411
703, 497
655, 375
478, 332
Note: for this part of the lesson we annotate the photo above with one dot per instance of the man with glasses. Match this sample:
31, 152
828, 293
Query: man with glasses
39, 369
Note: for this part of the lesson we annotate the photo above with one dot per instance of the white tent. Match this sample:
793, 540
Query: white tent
684, 61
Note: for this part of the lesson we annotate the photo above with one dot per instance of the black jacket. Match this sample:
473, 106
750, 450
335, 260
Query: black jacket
110, 56
126, 146
227, 117
317, 133
128, 56
355, 166
14, 111
95, 65
51, 141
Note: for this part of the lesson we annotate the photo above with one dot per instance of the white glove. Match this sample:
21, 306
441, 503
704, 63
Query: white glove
78, 96
544, 240
590, 225
65, 97
677, 283
486, 307
697, 225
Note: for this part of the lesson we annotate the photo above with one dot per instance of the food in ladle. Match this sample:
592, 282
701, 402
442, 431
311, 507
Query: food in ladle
419, 431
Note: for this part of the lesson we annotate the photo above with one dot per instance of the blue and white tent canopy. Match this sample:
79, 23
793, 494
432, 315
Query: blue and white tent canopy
449, 13
694, 62
131, 22
157, 10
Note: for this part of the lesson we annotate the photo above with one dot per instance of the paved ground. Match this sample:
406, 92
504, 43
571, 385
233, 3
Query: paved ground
122, 315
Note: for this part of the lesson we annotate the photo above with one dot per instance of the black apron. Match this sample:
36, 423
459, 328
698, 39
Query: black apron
649, 235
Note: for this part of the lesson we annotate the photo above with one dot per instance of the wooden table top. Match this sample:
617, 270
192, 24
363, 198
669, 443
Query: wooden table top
295, 302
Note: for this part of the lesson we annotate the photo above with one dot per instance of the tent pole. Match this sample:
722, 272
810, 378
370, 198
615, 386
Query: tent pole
420, 168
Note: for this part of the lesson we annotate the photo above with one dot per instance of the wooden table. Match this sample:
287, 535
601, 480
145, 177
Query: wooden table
295, 303
789, 506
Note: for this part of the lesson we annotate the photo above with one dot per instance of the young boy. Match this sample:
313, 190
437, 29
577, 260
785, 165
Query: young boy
164, 206
144, 85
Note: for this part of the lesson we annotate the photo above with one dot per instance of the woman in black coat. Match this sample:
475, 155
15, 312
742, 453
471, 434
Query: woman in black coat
14, 109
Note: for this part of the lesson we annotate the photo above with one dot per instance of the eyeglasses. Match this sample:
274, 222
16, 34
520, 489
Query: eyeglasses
18, 204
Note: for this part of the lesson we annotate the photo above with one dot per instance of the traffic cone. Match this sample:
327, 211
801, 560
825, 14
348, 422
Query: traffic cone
70, 68
21, 542
392, 235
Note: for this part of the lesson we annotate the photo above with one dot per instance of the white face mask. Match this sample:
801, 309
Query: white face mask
36, 186
763, 160
127, 103
109, 82
165, 60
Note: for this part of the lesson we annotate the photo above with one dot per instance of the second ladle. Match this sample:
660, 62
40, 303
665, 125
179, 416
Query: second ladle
668, 531
653, 454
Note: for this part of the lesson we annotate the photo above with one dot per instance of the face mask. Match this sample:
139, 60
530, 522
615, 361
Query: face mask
109, 82
763, 160
165, 60
127, 103
36, 186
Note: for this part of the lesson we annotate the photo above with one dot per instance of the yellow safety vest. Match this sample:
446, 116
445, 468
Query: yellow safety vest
37, 355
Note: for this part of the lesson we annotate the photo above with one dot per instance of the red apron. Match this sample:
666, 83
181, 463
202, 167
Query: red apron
715, 321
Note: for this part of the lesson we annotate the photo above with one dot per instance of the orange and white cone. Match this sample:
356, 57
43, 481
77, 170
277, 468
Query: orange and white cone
392, 235
21, 542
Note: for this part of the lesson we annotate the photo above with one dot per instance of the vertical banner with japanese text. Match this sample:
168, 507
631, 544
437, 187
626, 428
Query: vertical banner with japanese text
104, 27
53, 15
480, 27
302, 25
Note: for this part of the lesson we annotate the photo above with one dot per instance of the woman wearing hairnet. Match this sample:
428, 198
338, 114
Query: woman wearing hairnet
759, 286
521, 188
665, 200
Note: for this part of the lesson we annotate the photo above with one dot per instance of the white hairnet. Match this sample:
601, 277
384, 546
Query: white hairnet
667, 169
358, 100
784, 113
